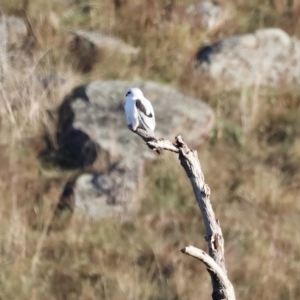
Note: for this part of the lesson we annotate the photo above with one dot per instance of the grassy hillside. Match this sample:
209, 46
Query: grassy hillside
251, 162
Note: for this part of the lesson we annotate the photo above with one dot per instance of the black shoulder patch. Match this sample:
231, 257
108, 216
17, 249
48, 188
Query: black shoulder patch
142, 108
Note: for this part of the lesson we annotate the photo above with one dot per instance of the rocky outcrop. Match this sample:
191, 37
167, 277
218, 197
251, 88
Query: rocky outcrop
13, 31
207, 15
15, 46
93, 130
87, 47
266, 57
104, 194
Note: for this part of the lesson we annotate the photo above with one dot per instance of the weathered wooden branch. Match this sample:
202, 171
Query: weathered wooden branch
155, 143
224, 288
215, 261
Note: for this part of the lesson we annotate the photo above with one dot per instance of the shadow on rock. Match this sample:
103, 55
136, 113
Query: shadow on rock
76, 148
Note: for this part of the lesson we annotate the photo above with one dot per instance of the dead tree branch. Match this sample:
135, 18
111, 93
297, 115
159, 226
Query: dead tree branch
225, 288
215, 261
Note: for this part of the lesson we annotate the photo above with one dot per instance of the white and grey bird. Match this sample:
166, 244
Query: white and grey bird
139, 111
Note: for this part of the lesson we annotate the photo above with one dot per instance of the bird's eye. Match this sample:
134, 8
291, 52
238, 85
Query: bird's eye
128, 93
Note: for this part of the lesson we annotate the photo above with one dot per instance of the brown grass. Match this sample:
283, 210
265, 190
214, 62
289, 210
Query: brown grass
251, 162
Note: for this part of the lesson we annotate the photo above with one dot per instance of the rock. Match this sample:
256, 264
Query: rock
15, 46
100, 195
267, 57
92, 129
209, 15
14, 29
88, 46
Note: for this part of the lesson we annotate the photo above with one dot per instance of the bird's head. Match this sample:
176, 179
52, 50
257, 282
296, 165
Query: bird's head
134, 93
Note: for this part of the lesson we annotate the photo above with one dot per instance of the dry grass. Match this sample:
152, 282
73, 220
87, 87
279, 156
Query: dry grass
251, 162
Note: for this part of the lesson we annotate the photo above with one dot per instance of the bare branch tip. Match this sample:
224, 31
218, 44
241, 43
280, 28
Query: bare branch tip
179, 139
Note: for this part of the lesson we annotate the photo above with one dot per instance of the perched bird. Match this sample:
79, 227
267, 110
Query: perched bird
139, 111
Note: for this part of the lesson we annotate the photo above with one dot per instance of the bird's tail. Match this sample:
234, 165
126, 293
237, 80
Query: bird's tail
144, 126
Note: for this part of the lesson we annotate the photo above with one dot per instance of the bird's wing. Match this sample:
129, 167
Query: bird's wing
146, 115
144, 108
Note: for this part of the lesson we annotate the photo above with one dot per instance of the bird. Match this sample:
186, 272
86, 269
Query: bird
139, 111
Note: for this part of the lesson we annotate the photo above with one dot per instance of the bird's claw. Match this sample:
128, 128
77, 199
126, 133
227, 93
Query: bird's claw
130, 127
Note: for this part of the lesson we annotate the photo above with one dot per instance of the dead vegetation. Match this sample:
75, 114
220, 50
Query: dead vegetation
251, 162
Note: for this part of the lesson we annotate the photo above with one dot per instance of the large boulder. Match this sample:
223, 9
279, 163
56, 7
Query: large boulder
267, 57
93, 130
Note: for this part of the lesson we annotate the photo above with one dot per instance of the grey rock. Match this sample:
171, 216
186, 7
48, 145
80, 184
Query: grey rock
267, 57
14, 46
208, 15
13, 31
92, 130
114, 192
88, 46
